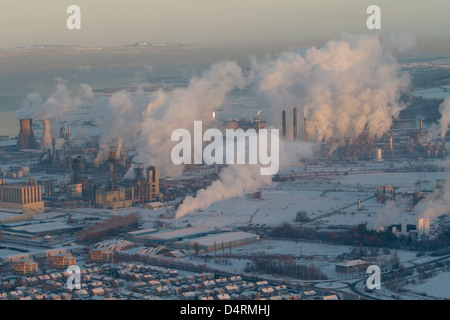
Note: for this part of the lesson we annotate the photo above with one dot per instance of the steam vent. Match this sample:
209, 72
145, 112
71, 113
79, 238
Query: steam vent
26, 139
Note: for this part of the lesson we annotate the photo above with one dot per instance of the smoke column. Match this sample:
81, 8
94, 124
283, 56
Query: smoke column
179, 109
340, 87
121, 120
236, 180
56, 105
444, 122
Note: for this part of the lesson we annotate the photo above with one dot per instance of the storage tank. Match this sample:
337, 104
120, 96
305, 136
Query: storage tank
378, 154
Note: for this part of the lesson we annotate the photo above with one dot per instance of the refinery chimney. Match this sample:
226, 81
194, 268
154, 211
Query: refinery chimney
26, 139
295, 123
283, 123
306, 132
421, 130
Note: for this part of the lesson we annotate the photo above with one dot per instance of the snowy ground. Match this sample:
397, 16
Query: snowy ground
437, 286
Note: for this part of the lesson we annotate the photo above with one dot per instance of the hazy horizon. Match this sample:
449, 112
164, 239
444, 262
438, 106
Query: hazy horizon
230, 22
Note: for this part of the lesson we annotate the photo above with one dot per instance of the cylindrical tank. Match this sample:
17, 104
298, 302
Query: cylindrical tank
378, 154
25, 171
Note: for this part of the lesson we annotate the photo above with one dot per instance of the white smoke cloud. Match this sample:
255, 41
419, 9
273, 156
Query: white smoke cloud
339, 88
179, 109
444, 122
237, 180
234, 180
434, 206
56, 105
120, 120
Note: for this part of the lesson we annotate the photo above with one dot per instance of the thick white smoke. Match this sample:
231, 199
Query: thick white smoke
237, 180
56, 105
339, 88
179, 109
444, 122
394, 212
121, 120
234, 180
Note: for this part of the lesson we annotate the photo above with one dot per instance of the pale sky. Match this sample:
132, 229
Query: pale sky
30, 22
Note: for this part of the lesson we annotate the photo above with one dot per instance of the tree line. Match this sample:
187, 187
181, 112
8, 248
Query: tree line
361, 235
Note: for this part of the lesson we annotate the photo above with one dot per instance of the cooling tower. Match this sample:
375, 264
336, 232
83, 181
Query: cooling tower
26, 139
47, 135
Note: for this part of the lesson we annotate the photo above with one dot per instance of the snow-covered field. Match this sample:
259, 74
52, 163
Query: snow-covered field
437, 286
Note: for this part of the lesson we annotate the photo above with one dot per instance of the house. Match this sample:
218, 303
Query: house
97, 292
330, 297
224, 296
188, 295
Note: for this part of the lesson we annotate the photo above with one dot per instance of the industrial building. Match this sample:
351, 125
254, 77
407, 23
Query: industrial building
218, 242
385, 193
13, 216
171, 236
22, 196
352, 266
423, 227
146, 187
40, 229
104, 251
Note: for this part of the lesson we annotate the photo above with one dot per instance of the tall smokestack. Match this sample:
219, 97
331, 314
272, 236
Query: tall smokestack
283, 123
306, 132
295, 123
26, 139
259, 120
53, 153
70, 148
421, 130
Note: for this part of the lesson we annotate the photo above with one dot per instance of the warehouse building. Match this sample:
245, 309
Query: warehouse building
171, 236
41, 229
12, 216
352, 266
218, 242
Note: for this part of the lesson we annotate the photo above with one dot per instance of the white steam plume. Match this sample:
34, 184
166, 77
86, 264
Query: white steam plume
339, 88
444, 122
236, 180
179, 109
56, 105
120, 120
433, 207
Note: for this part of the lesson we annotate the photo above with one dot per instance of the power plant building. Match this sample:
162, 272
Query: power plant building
111, 199
423, 227
24, 197
146, 187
